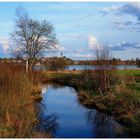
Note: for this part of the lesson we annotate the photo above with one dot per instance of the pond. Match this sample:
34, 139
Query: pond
83, 67
62, 115
90, 67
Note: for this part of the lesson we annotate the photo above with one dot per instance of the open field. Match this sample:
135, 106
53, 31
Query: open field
123, 72
130, 72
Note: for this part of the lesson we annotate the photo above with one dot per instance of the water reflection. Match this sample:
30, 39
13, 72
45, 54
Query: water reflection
63, 116
47, 122
104, 126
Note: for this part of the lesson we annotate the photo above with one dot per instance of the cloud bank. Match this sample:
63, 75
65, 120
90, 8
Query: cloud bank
93, 43
131, 8
124, 46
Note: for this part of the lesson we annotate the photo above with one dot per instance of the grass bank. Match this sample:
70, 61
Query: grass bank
18, 93
122, 100
129, 72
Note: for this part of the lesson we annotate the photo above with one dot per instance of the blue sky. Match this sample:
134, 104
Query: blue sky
81, 26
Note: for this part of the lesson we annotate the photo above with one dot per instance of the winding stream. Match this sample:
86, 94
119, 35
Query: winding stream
61, 114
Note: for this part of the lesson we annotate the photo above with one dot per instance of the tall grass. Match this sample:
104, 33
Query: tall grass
17, 111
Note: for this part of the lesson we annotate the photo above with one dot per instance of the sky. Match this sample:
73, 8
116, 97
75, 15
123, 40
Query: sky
80, 27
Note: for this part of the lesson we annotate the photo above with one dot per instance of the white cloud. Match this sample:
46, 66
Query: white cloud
5, 44
93, 43
130, 8
57, 47
131, 11
107, 10
60, 48
83, 56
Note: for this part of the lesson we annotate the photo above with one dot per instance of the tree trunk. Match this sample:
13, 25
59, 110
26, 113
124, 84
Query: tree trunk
27, 65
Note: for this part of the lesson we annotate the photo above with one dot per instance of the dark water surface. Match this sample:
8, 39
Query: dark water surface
92, 67
89, 67
61, 114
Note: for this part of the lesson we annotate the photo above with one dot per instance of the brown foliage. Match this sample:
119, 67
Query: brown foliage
104, 72
17, 112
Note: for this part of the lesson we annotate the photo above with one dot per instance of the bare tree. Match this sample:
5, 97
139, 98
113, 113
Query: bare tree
31, 37
104, 69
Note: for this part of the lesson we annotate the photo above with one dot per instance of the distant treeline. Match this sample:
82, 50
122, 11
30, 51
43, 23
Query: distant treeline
113, 61
68, 61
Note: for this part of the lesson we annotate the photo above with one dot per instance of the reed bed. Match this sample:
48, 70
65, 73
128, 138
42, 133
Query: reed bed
17, 110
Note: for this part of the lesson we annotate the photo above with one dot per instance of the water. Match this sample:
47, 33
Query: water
90, 67
82, 67
61, 114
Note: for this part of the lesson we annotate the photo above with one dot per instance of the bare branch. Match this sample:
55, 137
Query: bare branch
31, 37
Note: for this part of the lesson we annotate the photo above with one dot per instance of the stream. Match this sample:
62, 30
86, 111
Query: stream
62, 115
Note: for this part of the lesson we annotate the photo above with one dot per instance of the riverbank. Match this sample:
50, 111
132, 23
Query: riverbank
122, 100
20, 91
18, 94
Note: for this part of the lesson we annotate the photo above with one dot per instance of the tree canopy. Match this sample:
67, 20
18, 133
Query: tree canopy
31, 37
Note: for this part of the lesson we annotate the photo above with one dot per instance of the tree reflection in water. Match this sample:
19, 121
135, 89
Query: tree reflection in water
47, 122
104, 126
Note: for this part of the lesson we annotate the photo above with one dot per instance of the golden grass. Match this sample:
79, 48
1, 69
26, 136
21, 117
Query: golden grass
65, 72
17, 111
